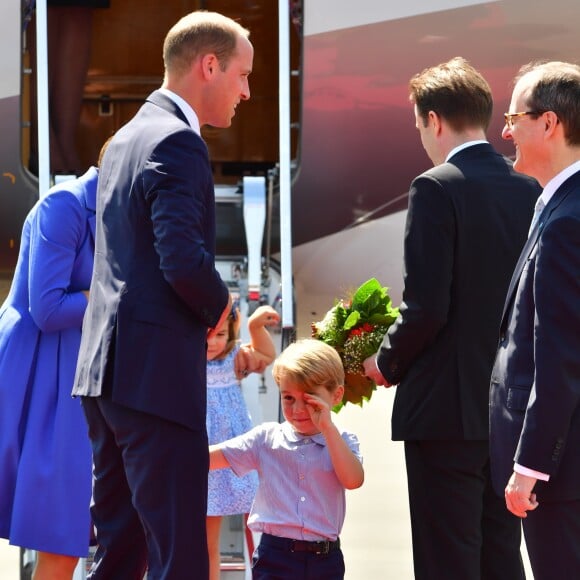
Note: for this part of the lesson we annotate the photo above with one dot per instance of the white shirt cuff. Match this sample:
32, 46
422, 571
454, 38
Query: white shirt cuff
530, 472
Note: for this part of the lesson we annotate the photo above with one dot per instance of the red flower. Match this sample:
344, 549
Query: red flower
366, 327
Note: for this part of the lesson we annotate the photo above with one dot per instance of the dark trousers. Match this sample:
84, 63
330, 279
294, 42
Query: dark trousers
149, 495
460, 527
552, 533
274, 560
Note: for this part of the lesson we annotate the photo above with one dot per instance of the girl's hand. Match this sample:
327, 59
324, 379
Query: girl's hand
264, 316
262, 349
247, 362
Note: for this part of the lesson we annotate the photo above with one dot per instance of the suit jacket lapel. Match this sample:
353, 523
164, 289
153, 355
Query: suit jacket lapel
526, 251
557, 198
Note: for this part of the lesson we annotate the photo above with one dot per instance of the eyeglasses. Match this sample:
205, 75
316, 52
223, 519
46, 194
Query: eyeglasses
509, 117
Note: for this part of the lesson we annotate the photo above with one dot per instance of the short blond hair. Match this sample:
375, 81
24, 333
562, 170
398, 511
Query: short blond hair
198, 33
311, 363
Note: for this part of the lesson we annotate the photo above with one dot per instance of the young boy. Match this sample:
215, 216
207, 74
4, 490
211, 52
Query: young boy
304, 465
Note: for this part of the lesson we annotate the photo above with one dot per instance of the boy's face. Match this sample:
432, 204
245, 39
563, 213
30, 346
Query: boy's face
295, 408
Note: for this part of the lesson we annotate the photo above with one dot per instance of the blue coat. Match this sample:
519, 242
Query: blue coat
45, 455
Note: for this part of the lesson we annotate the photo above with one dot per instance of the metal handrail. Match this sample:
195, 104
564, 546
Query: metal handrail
285, 179
42, 98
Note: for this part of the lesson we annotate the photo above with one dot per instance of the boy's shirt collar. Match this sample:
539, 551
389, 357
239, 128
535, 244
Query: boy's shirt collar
294, 437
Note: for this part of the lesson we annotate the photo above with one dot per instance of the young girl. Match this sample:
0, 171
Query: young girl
227, 416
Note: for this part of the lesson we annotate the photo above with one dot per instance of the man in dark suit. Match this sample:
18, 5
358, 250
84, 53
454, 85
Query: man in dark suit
535, 386
155, 293
466, 224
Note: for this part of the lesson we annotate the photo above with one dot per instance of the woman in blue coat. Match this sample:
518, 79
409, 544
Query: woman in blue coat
45, 455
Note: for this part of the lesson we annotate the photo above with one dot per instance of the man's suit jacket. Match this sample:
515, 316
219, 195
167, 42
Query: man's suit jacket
466, 224
155, 289
535, 387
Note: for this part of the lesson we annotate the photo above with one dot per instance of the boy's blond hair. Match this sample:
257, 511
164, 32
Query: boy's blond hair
311, 363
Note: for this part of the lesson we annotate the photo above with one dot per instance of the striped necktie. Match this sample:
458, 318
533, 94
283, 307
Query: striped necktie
537, 211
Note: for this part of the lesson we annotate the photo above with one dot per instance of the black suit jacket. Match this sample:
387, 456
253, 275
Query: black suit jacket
155, 289
535, 388
466, 224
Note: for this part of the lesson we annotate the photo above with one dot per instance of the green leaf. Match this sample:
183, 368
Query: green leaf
383, 319
352, 320
369, 303
364, 293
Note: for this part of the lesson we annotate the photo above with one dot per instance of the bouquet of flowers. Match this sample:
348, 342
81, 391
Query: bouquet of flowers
355, 329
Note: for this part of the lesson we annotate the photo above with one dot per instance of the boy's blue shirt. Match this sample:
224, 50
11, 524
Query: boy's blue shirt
299, 495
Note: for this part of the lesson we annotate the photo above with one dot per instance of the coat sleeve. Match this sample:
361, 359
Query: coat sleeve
555, 396
428, 270
59, 228
179, 188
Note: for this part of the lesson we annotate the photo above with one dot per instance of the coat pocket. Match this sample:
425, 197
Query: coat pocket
517, 398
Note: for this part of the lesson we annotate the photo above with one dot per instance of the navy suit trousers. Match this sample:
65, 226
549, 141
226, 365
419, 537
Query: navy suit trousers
149, 495
461, 529
552, 533
274, 560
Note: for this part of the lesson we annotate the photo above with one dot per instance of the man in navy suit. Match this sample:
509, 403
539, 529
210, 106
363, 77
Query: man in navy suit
535, 386
467, 222
154, 294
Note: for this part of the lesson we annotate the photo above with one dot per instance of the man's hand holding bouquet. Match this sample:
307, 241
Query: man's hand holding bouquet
355, 329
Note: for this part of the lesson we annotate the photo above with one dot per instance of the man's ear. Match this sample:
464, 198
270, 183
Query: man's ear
209, 65
551, 122
435, 120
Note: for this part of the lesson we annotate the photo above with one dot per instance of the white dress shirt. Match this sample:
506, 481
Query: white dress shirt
185, 108
463, 146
